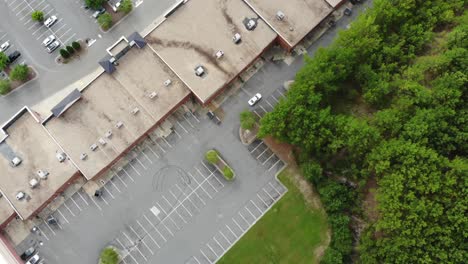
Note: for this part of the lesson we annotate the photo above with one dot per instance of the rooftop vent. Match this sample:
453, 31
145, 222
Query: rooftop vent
280, 15
93, 147
102, 141
167, 82
60, 156
251, 24
119, 124
83, 156
33, 183
153, 95
108, 134
20, 196
219, 54
199, 71
42, 174
135, 111
237, 38
132, 43
16, 161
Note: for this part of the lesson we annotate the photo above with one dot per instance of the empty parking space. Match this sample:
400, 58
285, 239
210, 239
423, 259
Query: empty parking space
265, 156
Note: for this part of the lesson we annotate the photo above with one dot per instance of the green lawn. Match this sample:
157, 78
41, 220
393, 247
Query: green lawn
288, 233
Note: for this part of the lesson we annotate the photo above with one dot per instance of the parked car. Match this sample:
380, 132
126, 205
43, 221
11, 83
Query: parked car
255, 99
47, 41
28, 253
13, 56
4, 46
34, 259
53, 46
99, 12
50, 21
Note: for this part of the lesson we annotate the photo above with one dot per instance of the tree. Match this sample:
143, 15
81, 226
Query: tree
228, 173
126, 6
76, 45
109, 256
37, 16
105, 21
211, 156
64, 53
94, 4
3, 61
332, 256
247, 120
5, 87
70, 50
20, 73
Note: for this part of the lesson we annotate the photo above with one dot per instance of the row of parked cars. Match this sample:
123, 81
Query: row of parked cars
51, 43
30, 255
12, 56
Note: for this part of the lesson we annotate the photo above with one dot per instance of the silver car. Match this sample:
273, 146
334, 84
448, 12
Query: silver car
4, 46
53, 46
48, 40
50, 21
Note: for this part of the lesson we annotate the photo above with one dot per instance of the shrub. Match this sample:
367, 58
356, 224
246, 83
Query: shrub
37, 16
19, 73
211, 156
76, 45
247, 119
4, 86
64, 53
105, 21
70, 50
228, 173
94, 4
109, 256
3, 61
126, 6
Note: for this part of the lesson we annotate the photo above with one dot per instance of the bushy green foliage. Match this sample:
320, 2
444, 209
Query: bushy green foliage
95, 4
64, 53
37, 16
105, 21
3, 61
126, 6
228, 173
247, 119
109, 256
5, 87
410, 132
70, 49
19, 73
212, 156
76, 45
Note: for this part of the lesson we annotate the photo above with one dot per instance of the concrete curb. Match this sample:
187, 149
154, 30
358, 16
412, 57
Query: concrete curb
21, 86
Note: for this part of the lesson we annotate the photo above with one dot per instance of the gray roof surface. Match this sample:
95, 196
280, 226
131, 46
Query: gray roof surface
66, 102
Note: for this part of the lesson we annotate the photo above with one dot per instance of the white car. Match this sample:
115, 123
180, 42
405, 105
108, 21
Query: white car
48, 40
34, 259
53, 46
255, 99
4, 46
50, 21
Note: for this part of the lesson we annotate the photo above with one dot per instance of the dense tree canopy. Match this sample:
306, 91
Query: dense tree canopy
388, 101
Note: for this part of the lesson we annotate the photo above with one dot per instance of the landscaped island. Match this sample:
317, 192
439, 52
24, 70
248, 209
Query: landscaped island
213, 157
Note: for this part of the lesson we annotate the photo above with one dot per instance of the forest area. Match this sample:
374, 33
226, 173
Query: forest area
384, 110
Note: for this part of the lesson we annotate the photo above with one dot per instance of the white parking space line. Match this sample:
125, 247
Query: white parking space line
12, 3
243, 218
16, 7
262, 153
204, 255
250, 212
274, 188
60, 28
97, 205
19, 12
118, 177
200, 186
83, 198
261, 143
141, 163
208, 245
42, 232
126, 236
115, 186
262, 200
167, 216
64, 33
219, 244
183, 115
269, 103
274, 98
144, 229
198, 209
273, 154
60, 212
79, 208
216, 178
274, 165
237, 224
4, 35
181, 126
177, 133
154, 227
66, 206
128, 175
146, 156
234, 234
255, 111
154, 153
133, 167
50, 228
142, 239
34, 33
118, 241
68, 39
207, 178
107, 190
165, 226
160, 147
196, 259
263, 109
166, 142
225, 238
256, 206
194, 116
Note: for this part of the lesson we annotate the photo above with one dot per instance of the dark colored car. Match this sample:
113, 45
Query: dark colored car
28, 253
13, 56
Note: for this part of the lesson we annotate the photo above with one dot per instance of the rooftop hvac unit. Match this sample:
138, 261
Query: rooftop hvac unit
93, 147
199, 71
102, 141
132, 43
167, 82
280, 15
83, 156
16, 161
60, 156
153, 95
33, 183
108, 134
42, 174
237, 38
20, 196
251, 24
219, 54
135, 111
119, 124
